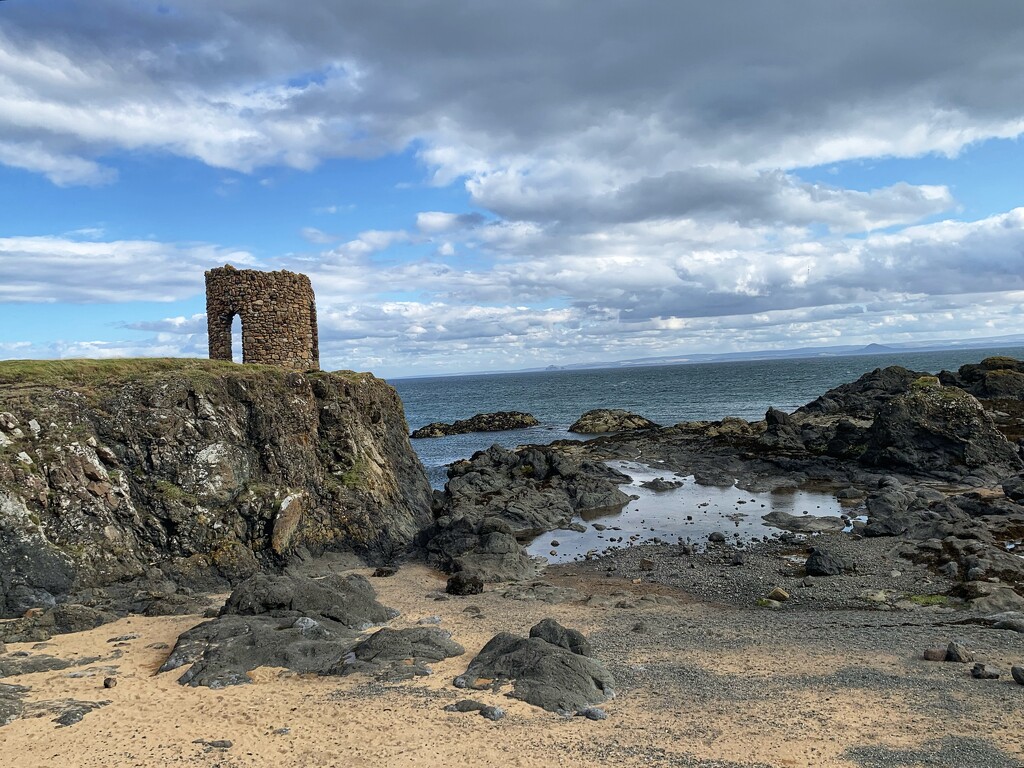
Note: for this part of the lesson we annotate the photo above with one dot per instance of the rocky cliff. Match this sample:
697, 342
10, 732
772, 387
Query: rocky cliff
193, 473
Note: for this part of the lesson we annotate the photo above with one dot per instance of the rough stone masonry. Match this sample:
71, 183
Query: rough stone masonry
278, 313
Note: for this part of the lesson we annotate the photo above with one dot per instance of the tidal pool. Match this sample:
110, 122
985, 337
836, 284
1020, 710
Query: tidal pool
688, 513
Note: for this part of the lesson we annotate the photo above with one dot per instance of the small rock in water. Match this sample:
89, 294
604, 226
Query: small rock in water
984, 672
554, 542
717, 537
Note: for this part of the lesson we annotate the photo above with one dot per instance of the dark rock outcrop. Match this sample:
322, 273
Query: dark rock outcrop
206, 471
347, 600
61, 619
863, 397
547, 669
533, 489
939, 431
484, 550
482, 422
994, 378
307, 625
602, 420
498, 497
463, 583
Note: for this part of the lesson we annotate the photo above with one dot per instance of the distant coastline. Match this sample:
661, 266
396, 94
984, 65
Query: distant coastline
796, 353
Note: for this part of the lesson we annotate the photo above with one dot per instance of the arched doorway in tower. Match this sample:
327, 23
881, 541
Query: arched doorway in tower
236, 339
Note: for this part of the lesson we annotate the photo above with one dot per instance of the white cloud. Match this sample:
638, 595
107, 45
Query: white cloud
56, 269
314, 235
641, 198
63, 170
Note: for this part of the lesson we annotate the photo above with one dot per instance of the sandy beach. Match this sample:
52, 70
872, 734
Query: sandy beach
699, 684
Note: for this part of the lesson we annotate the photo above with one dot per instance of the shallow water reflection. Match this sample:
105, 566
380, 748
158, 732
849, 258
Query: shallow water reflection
689, 513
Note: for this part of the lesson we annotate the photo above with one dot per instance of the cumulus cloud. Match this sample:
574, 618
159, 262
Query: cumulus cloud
59, 269
641, 197
501, 88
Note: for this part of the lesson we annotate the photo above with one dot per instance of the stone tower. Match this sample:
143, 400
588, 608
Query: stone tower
278, 312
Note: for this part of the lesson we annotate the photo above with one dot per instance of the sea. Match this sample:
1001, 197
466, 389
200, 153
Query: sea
665, 394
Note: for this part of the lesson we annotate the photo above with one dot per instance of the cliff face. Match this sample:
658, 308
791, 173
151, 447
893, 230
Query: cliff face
204, 470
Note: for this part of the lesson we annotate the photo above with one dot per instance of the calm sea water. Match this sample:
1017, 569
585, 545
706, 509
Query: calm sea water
665, 394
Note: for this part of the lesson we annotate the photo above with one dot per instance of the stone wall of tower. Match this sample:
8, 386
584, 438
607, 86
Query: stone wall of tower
278, 313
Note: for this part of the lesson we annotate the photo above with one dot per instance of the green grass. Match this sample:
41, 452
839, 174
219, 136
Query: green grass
356, 475
925, 382
928, 600
63, 372
89, 373
173, 493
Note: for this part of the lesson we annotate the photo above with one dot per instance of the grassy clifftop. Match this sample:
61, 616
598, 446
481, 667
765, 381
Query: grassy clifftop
94, 376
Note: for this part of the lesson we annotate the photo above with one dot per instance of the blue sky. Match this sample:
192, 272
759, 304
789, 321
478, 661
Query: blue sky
513, 185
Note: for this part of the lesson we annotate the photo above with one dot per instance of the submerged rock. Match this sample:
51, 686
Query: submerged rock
482, 422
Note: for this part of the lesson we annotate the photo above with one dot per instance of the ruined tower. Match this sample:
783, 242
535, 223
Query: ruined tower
278, 313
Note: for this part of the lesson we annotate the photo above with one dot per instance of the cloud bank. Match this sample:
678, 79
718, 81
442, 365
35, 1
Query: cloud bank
632, 172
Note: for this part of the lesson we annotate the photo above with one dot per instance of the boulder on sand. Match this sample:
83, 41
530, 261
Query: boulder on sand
553, 669
295, 622
398, 654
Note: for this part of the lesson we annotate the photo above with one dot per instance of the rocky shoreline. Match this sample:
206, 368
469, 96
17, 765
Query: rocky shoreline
928, 552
